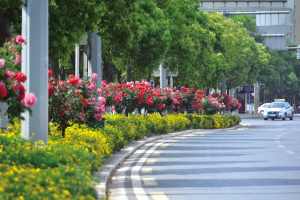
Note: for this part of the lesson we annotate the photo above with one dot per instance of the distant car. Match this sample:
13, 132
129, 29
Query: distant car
262, 108
279, 110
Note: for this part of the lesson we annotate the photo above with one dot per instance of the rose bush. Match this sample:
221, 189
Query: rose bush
12, 90
74, 101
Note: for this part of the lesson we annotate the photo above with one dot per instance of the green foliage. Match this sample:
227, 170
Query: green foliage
281, 77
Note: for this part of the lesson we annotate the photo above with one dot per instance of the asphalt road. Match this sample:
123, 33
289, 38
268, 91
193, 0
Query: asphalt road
260, 161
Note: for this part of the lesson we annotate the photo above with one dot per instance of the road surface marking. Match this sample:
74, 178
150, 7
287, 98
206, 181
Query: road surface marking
164, 145
173, 141
182, 138
135, 177
146, 170
148, 144
151, 161
149, 181
158, 196
281, 146
156, 153
290, 152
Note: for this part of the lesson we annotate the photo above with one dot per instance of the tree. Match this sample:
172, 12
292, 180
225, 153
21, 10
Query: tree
66, 26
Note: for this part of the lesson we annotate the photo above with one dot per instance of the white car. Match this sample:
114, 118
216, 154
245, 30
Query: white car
262, 108
279, 110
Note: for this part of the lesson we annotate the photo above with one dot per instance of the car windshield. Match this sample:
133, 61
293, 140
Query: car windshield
277, 105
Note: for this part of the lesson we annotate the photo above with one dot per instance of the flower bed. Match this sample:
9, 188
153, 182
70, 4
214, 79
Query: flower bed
62, 169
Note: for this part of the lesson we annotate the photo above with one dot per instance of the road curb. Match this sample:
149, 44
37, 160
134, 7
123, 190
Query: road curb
104, 173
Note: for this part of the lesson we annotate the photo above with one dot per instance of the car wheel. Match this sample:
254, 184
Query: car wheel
265, 118
284, 118
262, 112
291, 118
273, 118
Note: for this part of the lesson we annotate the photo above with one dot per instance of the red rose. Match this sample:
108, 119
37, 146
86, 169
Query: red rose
139, 102
20, 77
3, 91
62, 113
21, 97
84, 102
50, 73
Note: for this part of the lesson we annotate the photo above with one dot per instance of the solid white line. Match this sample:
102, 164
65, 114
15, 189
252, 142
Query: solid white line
135, 177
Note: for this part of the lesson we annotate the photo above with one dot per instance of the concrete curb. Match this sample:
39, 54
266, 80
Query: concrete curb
250, 116
105, 172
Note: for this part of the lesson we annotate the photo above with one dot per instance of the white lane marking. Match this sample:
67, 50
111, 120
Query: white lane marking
158, 196
135, 177
149, 181
151, 161
156, 153
146, 170
289, 151
281, 146
164, 145
173, 141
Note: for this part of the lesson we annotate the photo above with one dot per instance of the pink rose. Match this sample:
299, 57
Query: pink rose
102, 100
94, 76
10, 74
98, 116
113, 108
99, 91
92, 86
20, 39
29, 100
102, 109
2, 84
77, 92
2, 63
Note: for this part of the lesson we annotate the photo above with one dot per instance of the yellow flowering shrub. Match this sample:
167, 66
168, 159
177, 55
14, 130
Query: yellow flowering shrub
27, 182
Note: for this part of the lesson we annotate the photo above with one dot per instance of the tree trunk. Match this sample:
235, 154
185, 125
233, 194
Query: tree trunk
119, 76
72, 57
62, 73
105, 70
149, 77
128, 73
63, 132
54, 66
126, 112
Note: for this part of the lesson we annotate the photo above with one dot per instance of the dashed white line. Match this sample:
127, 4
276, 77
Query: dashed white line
289, 151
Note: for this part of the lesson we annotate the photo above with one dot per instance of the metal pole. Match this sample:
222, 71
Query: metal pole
224, 85
77, 60
95, 58
35, 66
85, 62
